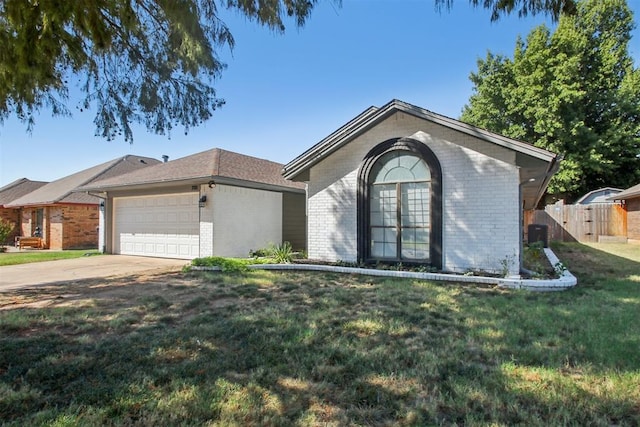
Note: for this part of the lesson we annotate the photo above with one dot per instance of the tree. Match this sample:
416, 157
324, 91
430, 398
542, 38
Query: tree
141, 61
574, 91
146, 61
524, 7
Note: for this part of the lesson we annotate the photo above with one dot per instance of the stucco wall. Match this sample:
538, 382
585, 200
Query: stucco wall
479, 188
245, 219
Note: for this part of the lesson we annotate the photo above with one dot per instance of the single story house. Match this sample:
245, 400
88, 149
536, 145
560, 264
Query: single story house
631, 199
8, 194
66, 219
402, 184
214, 203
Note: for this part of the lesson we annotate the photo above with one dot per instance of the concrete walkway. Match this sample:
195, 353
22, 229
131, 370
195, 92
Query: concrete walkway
89, 267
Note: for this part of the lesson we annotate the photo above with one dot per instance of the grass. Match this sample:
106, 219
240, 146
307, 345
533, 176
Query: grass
267, 348
25, 257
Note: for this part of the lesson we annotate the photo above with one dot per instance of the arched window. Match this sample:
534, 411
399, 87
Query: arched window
399, 209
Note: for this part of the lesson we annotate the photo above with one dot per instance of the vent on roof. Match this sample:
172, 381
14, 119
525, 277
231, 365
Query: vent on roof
165, 158
142, 161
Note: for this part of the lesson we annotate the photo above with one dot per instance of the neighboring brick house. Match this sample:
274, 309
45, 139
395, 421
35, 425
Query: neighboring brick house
67, 219
631, 198
402, 184
214, 203
8, 194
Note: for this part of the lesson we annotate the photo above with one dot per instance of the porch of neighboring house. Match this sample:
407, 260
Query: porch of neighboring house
59, 227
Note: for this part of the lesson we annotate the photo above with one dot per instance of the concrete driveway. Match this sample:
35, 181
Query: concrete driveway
40, 273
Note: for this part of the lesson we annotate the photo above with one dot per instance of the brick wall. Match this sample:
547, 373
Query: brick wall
479, 187
633, 218
71, 227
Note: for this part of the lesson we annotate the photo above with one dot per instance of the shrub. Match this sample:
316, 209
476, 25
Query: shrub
6, 228
283, 254
225, 264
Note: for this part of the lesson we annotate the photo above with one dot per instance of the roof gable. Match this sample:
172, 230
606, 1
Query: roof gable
373, 116
17, 189
536, 165
601, 195
62, 190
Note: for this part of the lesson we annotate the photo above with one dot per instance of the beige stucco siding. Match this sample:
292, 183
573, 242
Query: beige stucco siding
244, 219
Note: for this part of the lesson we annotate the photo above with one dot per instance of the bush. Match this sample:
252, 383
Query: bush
6, 228
283, 254
225, 264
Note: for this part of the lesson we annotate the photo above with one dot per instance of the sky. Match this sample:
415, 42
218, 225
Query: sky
284, 93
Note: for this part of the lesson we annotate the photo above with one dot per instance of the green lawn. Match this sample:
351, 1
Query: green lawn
268, 348
27, 256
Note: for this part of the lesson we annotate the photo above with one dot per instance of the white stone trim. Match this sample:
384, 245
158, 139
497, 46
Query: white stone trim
565, 281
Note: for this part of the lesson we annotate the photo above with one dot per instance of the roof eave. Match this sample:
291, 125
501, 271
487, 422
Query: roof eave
214, 179
146, 184
553, 168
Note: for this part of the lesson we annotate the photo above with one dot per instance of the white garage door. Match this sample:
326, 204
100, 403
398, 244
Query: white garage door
164, 226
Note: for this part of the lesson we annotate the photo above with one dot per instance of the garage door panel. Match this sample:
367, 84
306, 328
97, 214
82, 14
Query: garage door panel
160, 226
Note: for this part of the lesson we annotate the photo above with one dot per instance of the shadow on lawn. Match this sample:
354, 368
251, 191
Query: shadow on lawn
279, 349
596, 268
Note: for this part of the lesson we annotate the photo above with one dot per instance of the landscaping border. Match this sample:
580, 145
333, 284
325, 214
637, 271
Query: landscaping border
565, 281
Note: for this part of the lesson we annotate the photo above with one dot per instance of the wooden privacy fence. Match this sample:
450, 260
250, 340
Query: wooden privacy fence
582, 223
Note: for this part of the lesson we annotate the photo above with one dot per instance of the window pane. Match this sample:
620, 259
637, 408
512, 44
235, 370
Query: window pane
382, 205
399, 166
383, 242
415, 243
415, 204
398, 174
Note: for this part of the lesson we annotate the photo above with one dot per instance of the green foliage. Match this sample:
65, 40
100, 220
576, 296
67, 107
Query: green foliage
535, 260
225, 264
283, 253
574, 91
524, 7
308, 349
6, 228
148, 62
26, 257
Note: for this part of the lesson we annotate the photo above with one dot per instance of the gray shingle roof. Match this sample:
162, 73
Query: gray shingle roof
17, 189
62, 190
212, 165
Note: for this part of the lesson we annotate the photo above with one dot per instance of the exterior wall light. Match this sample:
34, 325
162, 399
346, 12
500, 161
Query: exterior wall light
202, 201
101, 206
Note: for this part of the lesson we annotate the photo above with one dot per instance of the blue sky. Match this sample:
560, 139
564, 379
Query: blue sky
286, 92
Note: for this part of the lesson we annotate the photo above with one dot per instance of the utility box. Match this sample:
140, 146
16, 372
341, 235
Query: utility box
538, 233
